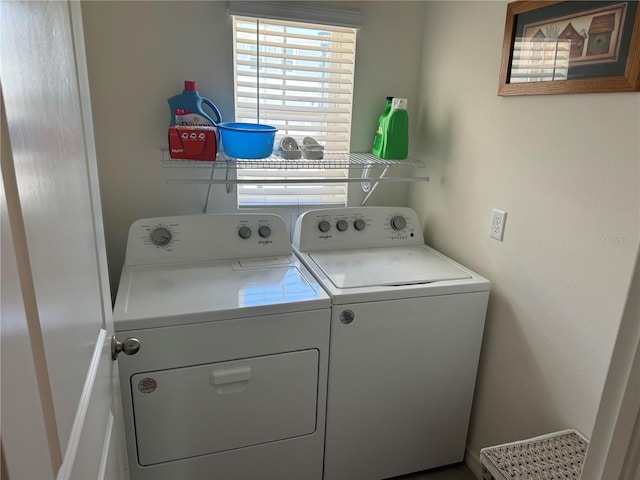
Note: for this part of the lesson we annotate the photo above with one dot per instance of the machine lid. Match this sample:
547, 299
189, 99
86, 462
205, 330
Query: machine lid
385, 267
182, 289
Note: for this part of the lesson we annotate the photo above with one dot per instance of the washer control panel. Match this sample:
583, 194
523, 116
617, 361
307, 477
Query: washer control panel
206, 237
357, 227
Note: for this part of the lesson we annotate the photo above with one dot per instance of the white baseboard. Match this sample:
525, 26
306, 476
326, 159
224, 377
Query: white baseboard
473, 462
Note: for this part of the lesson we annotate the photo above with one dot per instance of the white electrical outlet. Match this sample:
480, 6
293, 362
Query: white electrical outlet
498, 220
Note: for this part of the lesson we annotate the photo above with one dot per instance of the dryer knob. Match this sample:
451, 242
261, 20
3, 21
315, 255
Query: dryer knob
160, 236
359, 224
398, 222
342, 225
244, 232
264, 231
324, 226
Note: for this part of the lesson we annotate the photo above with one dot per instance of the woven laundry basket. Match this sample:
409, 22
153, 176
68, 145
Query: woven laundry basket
554, 456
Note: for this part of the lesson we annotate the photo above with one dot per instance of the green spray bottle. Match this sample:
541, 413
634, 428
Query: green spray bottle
392, 136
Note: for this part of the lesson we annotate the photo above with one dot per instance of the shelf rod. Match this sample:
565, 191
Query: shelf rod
296, 181
270, 165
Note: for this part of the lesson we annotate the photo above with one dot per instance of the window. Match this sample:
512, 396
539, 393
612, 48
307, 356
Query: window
297, 77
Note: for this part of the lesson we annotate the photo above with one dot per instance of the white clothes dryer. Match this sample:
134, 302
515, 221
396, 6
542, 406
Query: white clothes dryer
406, 331
226, 335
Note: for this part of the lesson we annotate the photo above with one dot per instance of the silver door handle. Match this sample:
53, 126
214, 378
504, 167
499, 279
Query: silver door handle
129, 347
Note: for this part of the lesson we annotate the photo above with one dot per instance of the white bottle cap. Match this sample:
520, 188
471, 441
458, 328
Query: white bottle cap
399, 104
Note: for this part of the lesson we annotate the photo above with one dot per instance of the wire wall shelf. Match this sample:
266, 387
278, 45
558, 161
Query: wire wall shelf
331, 160
373, 170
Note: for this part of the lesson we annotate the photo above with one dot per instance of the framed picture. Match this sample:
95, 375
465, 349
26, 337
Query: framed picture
553, 47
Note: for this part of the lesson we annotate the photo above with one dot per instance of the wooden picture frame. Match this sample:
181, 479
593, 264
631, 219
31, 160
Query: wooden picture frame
601, 54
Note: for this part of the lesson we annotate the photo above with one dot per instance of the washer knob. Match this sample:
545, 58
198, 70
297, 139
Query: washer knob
359, 224
342, 225
324, 226
264, 231
244, 232
398, 222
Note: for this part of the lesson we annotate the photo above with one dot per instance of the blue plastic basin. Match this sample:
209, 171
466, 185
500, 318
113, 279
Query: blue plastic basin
247, 140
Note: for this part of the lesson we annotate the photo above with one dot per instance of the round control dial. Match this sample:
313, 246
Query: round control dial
359, 224
342, 225
398, 222
264, 231
244, 232
324, 226
160, 236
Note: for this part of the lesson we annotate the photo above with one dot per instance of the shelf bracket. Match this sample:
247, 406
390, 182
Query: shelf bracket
229, 183
206, 200
369, 186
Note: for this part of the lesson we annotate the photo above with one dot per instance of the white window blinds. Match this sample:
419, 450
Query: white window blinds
297, 77
294, 190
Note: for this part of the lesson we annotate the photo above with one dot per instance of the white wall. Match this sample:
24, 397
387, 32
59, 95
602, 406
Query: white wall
567, 170
140, 53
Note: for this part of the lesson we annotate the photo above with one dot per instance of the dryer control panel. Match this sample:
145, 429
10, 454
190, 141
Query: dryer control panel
357, 227
192, 238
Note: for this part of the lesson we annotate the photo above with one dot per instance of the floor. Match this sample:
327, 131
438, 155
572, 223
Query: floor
459, 471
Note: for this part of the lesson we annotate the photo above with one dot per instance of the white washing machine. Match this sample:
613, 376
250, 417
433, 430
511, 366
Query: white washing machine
406, 330
226, 340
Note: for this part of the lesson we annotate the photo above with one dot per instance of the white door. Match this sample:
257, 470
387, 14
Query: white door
59, 418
